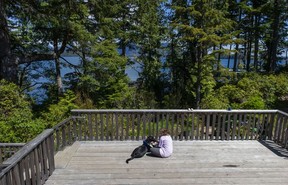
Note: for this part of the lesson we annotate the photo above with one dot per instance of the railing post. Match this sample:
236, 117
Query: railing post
126, 126
271, 126
51, 151
57, 140
228, 127
63, 131
1, 158
138, 126
286, 139
133, 127
74, 130
192, 126
284, 126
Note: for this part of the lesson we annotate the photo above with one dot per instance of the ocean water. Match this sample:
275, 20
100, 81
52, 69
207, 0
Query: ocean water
133, 70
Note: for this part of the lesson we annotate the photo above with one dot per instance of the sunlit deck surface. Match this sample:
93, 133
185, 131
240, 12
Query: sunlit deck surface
193, 162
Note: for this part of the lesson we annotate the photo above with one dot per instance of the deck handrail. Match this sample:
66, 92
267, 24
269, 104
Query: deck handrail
123, 124
34, 162
174, 110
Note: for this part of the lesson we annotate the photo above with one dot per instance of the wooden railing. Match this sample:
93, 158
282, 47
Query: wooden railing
9, 149
68, 131
280, 135
183, 124
34, 162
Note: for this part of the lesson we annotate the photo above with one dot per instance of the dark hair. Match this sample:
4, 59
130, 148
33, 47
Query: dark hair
164, 132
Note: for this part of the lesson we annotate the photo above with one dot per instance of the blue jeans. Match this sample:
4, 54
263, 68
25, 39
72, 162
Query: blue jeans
155, 151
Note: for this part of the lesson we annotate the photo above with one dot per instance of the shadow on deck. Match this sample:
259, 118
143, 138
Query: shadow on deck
193, 162
276, 149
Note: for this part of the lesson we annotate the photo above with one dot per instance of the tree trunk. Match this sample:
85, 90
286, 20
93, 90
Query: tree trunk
58, 68
243, 54
58, 76
199, 77
249, 51
256, 42
235, 66
123, 47
219, 59
8, 63
272, 54
229, 57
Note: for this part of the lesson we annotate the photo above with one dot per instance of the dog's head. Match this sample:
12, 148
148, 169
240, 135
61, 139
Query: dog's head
150, 141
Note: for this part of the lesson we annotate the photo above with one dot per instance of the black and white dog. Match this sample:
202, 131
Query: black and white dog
140, 151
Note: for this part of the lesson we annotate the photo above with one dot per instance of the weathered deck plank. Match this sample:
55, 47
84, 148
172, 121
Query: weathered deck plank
193, 162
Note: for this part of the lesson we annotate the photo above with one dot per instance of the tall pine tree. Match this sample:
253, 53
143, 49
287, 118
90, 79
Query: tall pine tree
201, 25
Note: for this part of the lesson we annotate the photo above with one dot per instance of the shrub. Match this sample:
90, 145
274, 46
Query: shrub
16, 118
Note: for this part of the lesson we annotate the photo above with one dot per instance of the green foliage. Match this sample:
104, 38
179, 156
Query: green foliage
253, 91
253, 102
61, 110
148, 43
207, 81
104, 80
200, 26
224, 76
142, 99
214, 101
16, 118
11, 99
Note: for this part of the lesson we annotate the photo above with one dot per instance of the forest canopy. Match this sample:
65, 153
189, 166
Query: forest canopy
176, 47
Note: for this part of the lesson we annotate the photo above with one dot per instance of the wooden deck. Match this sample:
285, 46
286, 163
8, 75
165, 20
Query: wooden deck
193, 162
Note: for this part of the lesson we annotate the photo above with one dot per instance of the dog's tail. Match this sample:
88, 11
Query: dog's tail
127, 161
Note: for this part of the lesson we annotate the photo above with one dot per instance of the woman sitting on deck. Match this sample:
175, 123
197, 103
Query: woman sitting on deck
165, 146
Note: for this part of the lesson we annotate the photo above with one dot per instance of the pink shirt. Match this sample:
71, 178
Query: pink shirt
166, 146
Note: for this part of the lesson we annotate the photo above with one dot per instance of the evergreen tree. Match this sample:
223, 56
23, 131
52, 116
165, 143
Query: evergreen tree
103, 79
276, 31
8, 62
252, 31
202, 25
60, 28
148, 44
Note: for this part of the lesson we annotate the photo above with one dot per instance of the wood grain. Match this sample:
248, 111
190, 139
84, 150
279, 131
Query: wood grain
193, 162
